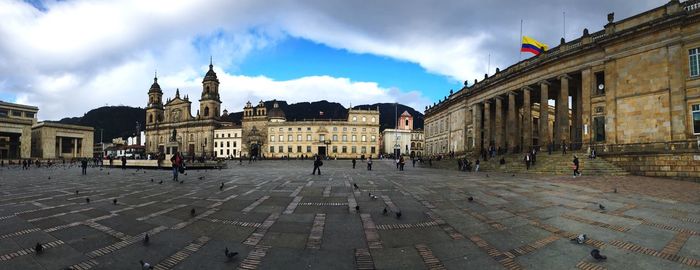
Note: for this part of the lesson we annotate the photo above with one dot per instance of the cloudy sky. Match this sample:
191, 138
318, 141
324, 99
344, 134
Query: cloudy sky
68, 57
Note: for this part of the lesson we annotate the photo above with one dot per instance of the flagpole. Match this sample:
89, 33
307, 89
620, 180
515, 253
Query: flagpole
564, 32
520, 57
488, 68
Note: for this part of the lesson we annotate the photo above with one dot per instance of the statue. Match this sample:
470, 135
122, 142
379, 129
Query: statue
174, 137
611, 17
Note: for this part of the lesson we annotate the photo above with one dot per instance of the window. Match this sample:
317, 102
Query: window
298, 148
374, 149
600, 83
373, 138
345, 129
29, 115
308, 137
281, 149
299, 138
694, 59
364, 129
272, 138
221, 152
289, 129
216, 144
234, 144
373, 119
335, 128
206, 111
3, 112
335, 138
272, 149
363, 149
228, 152
308, 129
407, 122
335, 149
229, 135
345, 138
290, 138
321, 137
354, 118
345, 149
281, 129
281, 138
354, 129
354, 138
289, 149
308, 149
364, 119
228, 144
696, 118
299, 129
354, 149
363, 138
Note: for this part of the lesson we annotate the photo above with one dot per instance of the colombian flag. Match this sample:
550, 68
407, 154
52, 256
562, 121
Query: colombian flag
533, 46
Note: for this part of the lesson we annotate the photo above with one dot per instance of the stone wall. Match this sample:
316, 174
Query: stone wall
679, 165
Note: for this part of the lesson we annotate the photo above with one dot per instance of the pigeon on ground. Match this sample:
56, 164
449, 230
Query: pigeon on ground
107, 173
487, 175
151, 180
201, 178
182, 181
369, 194
374, 197
615, 190
512, 175
355, 185
49, 177
470, 199
76, 192
161, 182
580, 238
385, 212
230, 254
596, 255
145, 265
87, 199
114, 201
357, 208
192, 212
146, 239
38, 249
221, 187
601, 207
398, 214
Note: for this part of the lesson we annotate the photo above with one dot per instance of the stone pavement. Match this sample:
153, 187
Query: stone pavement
278, 216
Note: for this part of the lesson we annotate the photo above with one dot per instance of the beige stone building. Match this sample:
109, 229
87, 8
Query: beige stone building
171, 127
268, 133
633, 85
16, 123
54, 140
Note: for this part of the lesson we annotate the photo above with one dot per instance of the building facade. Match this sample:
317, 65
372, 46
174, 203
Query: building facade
227, 141
403, 140
269, 134
636, 81
16, 123
171, 128
54, 140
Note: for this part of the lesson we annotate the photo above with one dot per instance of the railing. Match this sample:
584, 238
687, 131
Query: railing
670, 147
691, 5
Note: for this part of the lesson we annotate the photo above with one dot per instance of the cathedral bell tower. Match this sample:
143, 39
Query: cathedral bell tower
210, 104
154, 110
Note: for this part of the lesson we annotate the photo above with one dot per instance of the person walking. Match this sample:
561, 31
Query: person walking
83, 165
402, 162
123, 162
476, 165
576, 171
414, 162
176, 161
317, 165
397, 163
353, 162
369, 164
533, 156
563, 147
527, 161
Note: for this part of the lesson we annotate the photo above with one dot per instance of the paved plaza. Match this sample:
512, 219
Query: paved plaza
278, 216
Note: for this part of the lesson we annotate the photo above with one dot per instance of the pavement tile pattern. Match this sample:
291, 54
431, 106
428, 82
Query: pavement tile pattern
277, 215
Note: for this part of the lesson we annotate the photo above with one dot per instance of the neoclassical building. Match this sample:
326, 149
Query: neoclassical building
266, 132
171, 127
403, 140
631, 88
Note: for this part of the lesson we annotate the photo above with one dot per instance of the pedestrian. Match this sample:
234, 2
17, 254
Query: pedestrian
84, 164
353, 162
549, 148
563, 147
176, 161
111, 161
527, 161
576, 171
369, 164
460, 164
397, 163
402, 162
123, 162
533, 156
476, 165
317, 165
414, 162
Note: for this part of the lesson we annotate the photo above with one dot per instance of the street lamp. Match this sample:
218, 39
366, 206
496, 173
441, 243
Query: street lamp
327, 143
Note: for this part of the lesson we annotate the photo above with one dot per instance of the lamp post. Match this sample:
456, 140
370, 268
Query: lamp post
203, 144
327, 143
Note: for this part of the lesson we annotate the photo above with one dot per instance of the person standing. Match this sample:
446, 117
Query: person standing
176, 161
123, 162
527, 161
353, 162
317, 165
576, 171
402, 162
397, 163
84, 164
476, 165
533, 156
414, 162
563, 147
369, 164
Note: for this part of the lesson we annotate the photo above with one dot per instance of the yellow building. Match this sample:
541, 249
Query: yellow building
16, 123
170, 127
268, 133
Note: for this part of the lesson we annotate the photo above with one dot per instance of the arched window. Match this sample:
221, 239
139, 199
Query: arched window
150, 118
206, 111
207, 90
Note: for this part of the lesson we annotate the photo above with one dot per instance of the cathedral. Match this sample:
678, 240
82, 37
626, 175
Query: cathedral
170, 127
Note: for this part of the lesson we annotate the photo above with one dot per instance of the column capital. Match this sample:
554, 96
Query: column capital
512, 93
498, 98
545, 82
526, 88
564, 76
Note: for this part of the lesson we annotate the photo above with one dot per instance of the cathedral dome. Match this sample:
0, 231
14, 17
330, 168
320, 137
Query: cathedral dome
155, 87
276, 112
211, 75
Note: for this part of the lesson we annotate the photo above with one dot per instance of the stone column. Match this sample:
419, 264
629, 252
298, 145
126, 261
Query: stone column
527, 119
563, 111
487, 123
544, 138
586, 83
476, 127
512, 125
59, 153
610, 102
677, 91
498, 126
75, 147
